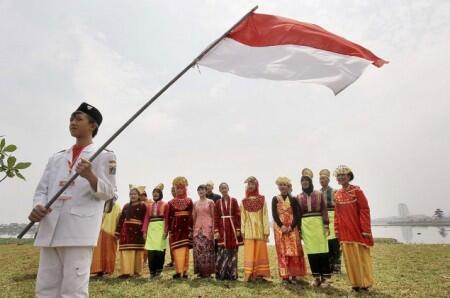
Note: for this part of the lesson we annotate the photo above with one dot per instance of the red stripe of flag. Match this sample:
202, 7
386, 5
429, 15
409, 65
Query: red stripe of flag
261, 30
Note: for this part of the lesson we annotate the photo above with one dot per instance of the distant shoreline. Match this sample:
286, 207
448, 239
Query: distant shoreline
413, 224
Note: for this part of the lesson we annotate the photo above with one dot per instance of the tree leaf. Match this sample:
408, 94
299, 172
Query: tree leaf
2, 144
20, 176
11, 162
10, 173
10, 148
22, 165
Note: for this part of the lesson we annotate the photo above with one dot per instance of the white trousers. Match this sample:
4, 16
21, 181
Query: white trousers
64, 272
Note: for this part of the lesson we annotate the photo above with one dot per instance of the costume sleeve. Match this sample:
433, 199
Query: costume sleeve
41, 192
336, 220
118, 212
300, 208
191, 222
295, 212
275, 214
364, 211
237, 213
105, 170
194, 214
146, 218
121, 220
324, 210
216, 216
211, 210
243, 219
168, 218
265, 220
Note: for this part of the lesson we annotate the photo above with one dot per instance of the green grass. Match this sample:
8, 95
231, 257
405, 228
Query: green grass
400, 271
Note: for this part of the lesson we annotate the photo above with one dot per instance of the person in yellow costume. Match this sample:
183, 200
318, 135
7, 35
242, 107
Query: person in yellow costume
104, 255
255, 231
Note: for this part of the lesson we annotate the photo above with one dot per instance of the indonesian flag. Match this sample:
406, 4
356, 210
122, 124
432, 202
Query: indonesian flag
277, 48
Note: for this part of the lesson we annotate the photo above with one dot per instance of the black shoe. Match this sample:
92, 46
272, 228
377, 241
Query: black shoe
169, 265
356, 289
185, 276
176, 276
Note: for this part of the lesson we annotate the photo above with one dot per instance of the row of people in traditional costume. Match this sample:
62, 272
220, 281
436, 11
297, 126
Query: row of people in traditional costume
215, 226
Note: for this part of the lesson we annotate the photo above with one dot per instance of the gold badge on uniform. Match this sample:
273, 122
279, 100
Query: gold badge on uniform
112, 167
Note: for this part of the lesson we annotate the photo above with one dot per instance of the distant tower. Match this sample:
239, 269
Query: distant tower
403, 210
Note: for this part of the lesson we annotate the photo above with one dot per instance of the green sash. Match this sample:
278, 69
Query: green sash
313, 235
155, 236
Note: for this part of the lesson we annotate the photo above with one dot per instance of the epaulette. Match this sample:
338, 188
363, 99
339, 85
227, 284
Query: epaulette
108, 150
64, 150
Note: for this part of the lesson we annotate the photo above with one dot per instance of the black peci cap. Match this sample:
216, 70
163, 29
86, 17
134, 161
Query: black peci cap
91, 111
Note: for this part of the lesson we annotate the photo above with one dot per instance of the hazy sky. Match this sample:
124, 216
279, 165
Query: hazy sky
392, 126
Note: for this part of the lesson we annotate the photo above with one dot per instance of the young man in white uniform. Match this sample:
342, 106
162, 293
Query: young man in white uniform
68, 231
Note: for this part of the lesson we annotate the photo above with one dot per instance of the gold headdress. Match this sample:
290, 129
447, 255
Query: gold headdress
324, 172
180, 181
307, 172
139, 188
160, 186
283, 180
342, 169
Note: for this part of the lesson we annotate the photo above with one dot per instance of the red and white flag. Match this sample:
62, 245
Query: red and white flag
277, 48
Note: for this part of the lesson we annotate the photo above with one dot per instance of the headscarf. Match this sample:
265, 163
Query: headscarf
159, 191
310, 189
254, 193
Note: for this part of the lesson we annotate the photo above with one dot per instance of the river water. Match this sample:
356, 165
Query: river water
403, 234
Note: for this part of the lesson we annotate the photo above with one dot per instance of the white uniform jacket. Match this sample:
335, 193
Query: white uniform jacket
76, 216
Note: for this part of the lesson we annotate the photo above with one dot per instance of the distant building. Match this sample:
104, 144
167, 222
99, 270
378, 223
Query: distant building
403, 211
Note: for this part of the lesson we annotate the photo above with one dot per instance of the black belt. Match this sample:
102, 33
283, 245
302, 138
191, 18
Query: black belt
312, 214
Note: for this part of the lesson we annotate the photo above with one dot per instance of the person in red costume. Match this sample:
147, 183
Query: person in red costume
227, 230
179, 227
352, 227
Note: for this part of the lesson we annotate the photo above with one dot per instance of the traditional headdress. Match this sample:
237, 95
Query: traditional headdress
254, 193
307, 172
324, 172
342, 169
140, 188
283, 180
180, 181
160, 186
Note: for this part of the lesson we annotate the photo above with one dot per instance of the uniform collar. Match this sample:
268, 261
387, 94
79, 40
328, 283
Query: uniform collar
88, 149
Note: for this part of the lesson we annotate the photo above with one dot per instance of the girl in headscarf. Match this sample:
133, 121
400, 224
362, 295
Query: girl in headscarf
203, 240
314, 229
352, 227
227, 226
153, 230
131, 242
286, 217
255, 228
179, 227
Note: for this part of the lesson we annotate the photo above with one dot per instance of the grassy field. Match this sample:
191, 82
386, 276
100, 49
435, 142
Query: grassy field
400, 271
